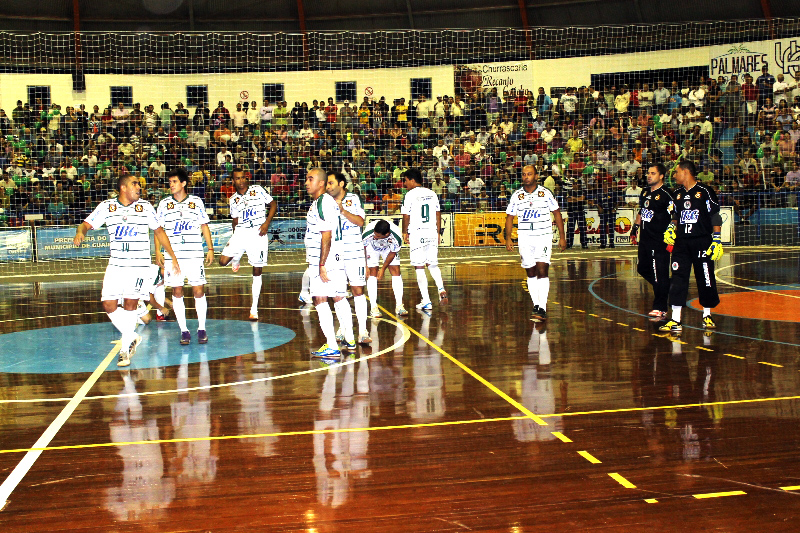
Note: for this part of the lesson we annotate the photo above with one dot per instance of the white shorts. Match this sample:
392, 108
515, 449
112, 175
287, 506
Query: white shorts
133, 283
376, 259
424, 248
191, 269
356, 271
248, 241
535, 251
336, 286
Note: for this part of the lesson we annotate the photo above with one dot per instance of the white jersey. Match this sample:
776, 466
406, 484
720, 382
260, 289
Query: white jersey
421, 205
183, 222
391, 243
351, 233
128, 230
533, 213
250, 208
323, 215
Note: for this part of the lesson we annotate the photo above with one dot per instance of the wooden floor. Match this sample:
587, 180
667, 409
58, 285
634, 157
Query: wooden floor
471, 419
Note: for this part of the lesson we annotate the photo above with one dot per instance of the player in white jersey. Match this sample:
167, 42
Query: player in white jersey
381, 240
129, 221
252, 209
351, 220
422, 230
532, 205
325, 256
184, 218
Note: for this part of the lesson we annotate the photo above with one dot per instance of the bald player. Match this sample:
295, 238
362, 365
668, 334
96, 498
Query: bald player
532, 205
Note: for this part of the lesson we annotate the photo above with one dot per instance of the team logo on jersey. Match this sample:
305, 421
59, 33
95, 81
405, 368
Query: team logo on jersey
658, 196
687, 205
170, 205
252, 193
521, 196
647, 203
541, 194
192, 205
112, 208
674, 265
698, 194
236, 200
348, 203
679, 196
138, 208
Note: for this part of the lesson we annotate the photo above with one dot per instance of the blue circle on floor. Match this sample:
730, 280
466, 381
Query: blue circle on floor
81, 348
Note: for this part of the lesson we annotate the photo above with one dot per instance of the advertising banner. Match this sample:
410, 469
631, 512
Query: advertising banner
55, 242
503, 76
16, 244
447, 225
780, 55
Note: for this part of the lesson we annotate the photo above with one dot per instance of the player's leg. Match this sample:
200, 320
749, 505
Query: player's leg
233, 250
679, 285
540, 257
581, 220
397, 288
178, 305
196, 275
257, 253
661, 260
570, 229
436, 272
706, 284
603, 230
372, 290
344, 314
255, 292
418, 255
126, 283
526, 253
356, 271
305, 294
320, 291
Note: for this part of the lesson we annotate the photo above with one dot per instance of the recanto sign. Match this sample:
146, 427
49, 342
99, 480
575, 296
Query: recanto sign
503, 76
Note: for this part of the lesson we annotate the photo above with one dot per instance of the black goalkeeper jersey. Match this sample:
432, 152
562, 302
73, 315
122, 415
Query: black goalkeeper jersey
655, 209
693, 211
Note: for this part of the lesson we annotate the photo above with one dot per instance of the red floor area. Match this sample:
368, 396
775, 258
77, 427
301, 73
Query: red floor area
775, 305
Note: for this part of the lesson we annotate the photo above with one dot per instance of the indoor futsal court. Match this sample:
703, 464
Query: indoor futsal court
472, 418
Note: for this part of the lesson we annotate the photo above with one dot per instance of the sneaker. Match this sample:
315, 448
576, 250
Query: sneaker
350, 345
443, 299
672, 326
708, 322
124, 359
326, 351
539, 314
339, 336
160, 317
253, 317
235, 266
425, 306
202, 336
655, 313
400, 311
364, 338
305, 297
186, 337
376, 313
134, 345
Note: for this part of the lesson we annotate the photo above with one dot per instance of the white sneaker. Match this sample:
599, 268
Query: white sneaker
364, 338
124, 359
340, 335
376, 313
253, 316
443, 299
305, 297
425, 306
401, 311
134, 344
235, 265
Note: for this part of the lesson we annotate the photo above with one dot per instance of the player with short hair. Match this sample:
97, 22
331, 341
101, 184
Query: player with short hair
382, 242
694, 234
422, 230
252, 209
183, 216
325, 256
532, 205
351, 220
129, 220
656, 204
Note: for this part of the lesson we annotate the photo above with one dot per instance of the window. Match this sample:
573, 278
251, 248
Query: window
273, 92
36, 92
345, 90
196, 95
122, 94
421, 87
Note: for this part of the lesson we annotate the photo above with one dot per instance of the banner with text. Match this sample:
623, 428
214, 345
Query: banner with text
447, 225
16, 244
782, 56
56, 243
504, 76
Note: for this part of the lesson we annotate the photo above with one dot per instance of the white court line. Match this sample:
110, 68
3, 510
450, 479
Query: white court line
727, 267
26, 463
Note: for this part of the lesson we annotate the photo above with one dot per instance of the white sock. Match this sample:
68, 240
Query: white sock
256, 293
345, 316
397, 287
676, 313
160, 295
118, 319
436, 274
533, 290
543, 285
360, 303
422, 281
129, 324
201, 305
326, 323
706, 312
306, 283
372, 291
180, 312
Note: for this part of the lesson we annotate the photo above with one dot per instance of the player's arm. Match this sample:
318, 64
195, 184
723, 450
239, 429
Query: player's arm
80, 233
509, 228
163, 240
406, 219
389, 258
355, 219
439, 225
207, 236
159, 255
324, 250
562, 239
273, 208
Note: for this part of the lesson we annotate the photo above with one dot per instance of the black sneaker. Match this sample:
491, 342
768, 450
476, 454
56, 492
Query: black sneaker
538, 314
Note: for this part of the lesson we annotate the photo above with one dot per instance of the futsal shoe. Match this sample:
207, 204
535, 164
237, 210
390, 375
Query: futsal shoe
350, 345
235, 266
202, 336
425, 306
305, 297
186, 337
134, 345
124, 359
339, 336
326, 352
539, 314
376, 313
656, 315
671, 326
364, 338
400, 311
708, 322
443, 299
253, 316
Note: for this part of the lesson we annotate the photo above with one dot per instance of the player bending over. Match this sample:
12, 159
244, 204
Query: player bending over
382, 242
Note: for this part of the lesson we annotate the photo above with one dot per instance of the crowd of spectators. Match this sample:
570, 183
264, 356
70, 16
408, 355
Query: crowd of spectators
60, 163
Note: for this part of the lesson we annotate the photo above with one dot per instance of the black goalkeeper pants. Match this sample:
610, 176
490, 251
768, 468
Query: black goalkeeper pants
688, 254
654, 268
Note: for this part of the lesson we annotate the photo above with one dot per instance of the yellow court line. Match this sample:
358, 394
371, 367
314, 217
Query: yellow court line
560, 436
530, 414
736, 356
568, 306
719, 494
589, 457
769, 364
607, 319
621, 480
638, 329
651, 500
621, 324
793, 487
580, 310
704, 348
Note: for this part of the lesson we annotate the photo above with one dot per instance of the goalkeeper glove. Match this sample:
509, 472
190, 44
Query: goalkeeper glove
670, 235
714, 251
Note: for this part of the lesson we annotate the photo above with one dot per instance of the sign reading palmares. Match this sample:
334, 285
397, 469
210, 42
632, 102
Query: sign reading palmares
781, 56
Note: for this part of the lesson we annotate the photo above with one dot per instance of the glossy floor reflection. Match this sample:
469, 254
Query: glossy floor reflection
428, 429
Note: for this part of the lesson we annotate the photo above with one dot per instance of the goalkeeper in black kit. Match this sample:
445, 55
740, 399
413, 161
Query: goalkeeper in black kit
694, 235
